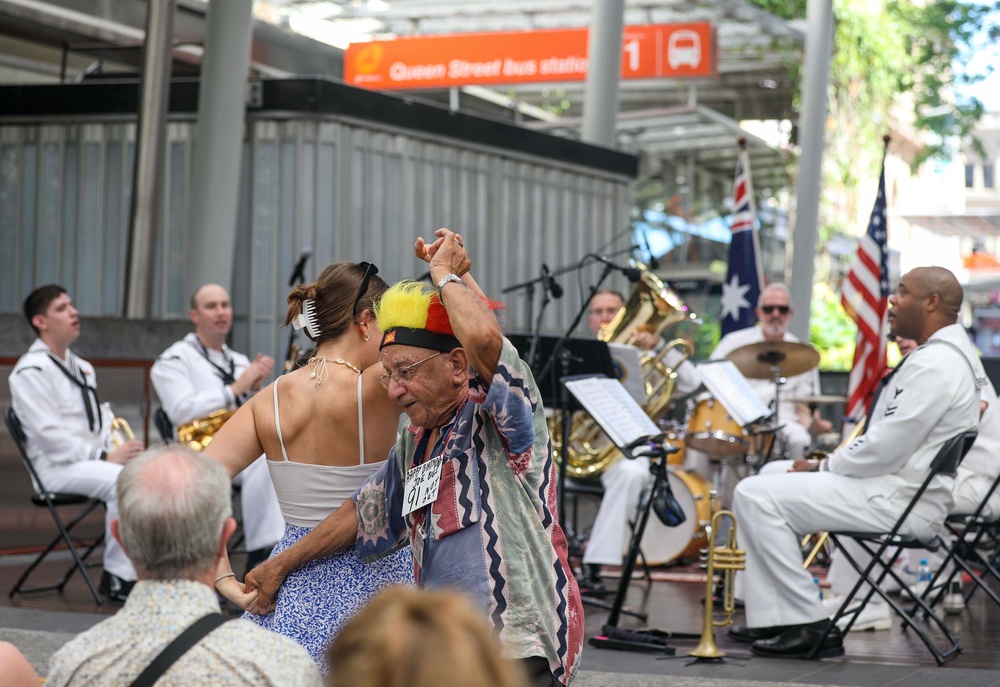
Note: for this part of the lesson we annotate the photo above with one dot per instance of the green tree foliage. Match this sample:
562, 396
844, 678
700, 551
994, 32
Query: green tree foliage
894, 61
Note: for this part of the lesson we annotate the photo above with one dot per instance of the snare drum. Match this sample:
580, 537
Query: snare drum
661, 544
712, 430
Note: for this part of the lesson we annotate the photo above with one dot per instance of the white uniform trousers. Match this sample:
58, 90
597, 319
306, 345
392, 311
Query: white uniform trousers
773, 512
969, 492
623, 483
263, 524
94, 478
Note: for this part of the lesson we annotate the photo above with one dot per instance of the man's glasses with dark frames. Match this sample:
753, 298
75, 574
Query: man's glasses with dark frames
370, 270
404, 375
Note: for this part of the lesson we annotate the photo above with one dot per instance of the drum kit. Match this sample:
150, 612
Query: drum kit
708, 427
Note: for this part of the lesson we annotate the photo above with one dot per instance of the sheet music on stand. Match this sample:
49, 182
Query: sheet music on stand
613, 408
730, 387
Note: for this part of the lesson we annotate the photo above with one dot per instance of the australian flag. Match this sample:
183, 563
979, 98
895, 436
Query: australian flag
744, 279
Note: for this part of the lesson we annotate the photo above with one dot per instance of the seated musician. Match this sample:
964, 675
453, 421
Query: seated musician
199, 375
930, 398
774, 312
54, 393
624, 480
976, 474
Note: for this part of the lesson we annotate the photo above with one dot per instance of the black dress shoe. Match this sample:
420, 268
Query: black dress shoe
747, 635
114, 587
590, 579
797, 641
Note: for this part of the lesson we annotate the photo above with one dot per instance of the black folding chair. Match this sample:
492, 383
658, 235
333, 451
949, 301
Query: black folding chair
43, 498
163, 426
875, 544
964, 552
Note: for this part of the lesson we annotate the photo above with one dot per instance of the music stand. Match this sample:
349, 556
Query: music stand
634, 434
577, 357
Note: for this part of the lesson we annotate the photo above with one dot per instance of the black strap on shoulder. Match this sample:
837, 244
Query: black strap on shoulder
177, 648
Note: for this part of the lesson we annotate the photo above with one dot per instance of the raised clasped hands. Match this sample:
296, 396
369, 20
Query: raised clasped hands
447, 252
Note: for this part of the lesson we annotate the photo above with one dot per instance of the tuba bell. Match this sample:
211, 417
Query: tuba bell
651, 307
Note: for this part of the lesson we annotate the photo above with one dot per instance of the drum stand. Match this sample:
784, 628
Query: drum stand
654, 640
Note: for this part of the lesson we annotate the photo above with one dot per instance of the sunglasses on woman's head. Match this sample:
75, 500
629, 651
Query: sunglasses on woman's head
370, 269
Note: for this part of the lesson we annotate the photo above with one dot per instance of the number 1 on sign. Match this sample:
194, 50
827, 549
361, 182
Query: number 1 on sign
632, 49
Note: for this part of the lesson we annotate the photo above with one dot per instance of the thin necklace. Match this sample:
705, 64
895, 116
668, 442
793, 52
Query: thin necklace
319, 368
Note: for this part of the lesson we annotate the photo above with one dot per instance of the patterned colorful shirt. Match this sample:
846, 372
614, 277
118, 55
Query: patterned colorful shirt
114, 652
493, 533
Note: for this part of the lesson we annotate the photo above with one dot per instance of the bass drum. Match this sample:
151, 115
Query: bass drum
662, 544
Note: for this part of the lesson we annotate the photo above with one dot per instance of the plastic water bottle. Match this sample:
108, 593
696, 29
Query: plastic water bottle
923, 577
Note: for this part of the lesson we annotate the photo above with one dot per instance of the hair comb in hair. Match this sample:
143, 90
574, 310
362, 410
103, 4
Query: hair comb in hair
307, 319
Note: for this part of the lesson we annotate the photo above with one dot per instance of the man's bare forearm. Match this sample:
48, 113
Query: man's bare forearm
337, 531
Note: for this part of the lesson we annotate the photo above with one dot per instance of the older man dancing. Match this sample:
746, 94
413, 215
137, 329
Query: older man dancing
470, 485
932, 396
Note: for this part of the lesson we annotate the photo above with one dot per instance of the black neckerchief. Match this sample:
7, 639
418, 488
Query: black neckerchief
85, 390
227, 376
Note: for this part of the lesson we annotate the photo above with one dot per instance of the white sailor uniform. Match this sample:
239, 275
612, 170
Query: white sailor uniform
193, 381
932, 396
67, 437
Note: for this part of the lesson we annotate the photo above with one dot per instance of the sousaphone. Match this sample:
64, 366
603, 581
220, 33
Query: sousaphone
651, 307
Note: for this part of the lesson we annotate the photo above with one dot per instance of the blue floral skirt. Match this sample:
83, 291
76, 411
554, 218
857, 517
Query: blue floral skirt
319, 597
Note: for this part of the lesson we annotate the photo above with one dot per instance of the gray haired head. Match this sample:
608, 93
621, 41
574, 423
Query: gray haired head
775, 286
172, 506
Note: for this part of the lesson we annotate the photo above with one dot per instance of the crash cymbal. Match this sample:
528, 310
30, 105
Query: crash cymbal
819, 399
755, 360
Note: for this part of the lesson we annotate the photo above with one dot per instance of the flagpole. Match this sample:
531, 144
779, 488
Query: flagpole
753, 211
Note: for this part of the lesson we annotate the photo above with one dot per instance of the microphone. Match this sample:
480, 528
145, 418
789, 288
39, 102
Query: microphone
631, 273
654, 262
298, 274
550, 283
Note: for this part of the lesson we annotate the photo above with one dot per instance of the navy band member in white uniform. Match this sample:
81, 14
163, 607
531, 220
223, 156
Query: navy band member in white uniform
932, 396
774, 311
976, 474
624, 480
199, 375
54, 394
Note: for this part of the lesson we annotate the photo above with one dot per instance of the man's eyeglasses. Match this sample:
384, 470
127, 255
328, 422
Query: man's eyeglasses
783, 309
370, 269
404, 375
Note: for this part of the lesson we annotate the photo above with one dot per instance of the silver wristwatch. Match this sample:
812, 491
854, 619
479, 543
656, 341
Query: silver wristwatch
447, 278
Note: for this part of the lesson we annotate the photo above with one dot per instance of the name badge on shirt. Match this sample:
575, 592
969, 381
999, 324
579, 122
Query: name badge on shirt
422, 483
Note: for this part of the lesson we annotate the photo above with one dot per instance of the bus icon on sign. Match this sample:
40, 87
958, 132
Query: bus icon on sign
684, 48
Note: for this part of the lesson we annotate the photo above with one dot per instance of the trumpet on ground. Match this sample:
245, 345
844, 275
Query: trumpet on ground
727, 560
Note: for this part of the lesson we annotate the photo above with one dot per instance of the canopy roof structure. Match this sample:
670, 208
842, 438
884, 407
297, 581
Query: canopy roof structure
755, 49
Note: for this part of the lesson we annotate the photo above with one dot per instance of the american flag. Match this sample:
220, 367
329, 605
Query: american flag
743, 284
865, 297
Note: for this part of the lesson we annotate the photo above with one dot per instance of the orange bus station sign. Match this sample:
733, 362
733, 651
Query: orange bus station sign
648, 52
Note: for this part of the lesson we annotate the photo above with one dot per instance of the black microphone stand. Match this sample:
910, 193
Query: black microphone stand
537, 332
549, 367
293, 350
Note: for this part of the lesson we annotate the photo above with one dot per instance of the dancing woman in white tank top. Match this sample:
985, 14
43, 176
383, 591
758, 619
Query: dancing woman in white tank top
324, 428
